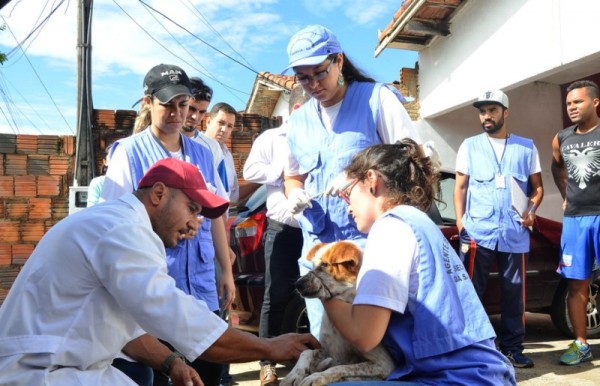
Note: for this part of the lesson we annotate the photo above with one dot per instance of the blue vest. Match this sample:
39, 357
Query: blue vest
444, 334
191, 262
489, 218
322, 155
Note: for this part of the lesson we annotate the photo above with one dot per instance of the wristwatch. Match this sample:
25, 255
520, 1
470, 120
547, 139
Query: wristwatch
165, 366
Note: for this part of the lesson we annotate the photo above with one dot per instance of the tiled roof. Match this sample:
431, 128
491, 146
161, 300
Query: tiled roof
266, 92
417, 23
286, 81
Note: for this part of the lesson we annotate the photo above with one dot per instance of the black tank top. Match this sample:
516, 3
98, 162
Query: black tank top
581, 154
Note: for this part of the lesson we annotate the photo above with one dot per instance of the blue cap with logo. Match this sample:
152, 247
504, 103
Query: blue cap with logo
311, 46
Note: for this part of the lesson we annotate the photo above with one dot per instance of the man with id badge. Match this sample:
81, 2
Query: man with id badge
488, 167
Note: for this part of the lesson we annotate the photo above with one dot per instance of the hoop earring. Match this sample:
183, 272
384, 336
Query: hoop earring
340, 80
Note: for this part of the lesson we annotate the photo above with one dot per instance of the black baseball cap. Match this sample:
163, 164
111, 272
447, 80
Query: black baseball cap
166, 81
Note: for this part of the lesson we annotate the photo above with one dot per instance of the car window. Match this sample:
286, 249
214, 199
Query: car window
446, 207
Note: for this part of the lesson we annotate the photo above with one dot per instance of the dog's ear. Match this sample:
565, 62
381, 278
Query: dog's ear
345, 258
313, 251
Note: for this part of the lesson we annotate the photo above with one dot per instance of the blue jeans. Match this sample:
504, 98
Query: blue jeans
139, 373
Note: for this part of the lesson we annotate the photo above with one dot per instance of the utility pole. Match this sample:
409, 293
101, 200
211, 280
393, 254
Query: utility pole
84, 149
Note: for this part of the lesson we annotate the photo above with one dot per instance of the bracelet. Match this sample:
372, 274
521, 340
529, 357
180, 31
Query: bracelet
165, 367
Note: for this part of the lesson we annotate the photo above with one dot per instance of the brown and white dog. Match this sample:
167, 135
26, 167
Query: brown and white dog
335, 269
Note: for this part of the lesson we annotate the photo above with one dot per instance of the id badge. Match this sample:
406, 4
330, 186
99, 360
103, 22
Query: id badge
500, 181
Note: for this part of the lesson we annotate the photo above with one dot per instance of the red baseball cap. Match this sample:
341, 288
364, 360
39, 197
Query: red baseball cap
187, 178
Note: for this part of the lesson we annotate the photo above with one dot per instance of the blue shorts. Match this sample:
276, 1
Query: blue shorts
580, 246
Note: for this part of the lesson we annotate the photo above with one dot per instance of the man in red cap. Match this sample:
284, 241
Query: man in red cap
98, 279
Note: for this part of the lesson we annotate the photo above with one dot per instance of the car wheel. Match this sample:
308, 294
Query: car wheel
295, 318
560, 314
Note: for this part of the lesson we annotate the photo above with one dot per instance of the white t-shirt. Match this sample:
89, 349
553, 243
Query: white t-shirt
389, 275
264, 165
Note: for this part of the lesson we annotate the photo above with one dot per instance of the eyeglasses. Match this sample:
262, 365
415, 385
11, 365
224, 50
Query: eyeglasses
307, 79
345, 192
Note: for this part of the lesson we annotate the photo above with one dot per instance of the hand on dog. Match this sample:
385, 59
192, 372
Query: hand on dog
288, 347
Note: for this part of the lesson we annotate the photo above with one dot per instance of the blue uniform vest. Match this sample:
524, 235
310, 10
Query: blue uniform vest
446, 337
191, 262
489, 218
322, 155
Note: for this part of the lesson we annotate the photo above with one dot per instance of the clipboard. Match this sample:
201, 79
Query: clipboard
519, 200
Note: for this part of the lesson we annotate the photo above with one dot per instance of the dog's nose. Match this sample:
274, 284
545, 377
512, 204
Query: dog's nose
300, 285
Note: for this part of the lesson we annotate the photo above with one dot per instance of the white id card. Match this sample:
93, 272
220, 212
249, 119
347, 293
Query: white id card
500, 181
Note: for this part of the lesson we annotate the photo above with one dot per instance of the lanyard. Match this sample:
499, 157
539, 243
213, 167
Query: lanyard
499, 162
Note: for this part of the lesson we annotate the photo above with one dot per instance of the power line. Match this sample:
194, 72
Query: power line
197, 37
205, 20
38, 76
174, 54
42, 23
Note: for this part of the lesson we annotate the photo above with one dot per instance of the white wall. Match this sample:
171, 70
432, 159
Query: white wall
503, 44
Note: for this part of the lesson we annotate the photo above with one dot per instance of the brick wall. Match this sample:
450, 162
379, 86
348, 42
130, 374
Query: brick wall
35, 175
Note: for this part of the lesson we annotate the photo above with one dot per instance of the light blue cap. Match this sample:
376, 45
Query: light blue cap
311, 46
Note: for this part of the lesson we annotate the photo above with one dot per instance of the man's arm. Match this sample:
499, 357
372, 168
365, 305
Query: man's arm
292, 182
536, 196
460, 197
226, 285
236, 346
150, 351
559, 172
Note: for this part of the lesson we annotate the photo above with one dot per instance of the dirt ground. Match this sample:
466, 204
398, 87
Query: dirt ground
544, 344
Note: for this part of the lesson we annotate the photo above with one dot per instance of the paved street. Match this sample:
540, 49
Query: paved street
544, 344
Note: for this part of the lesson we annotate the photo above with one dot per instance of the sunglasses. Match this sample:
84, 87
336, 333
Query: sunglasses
346, 190
305, 80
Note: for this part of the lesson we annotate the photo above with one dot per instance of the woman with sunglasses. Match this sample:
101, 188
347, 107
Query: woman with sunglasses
413, 293
348, 112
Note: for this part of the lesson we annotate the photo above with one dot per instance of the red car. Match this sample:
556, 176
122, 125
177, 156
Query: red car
546, 290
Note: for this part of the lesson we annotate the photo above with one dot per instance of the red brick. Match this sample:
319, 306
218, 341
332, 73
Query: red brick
2, 207
68, 144
25, 186
48, 185
59, 165
32, 231
1, 164
48, 144
9, 231
60, 208
15, 165
40, 208
37, 165
17, 209
5, 254
7, 186
21, 253
27, 144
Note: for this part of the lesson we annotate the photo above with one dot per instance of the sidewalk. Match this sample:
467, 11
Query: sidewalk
544, 344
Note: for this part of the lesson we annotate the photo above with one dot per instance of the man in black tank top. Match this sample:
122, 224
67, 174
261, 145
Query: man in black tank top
576, 172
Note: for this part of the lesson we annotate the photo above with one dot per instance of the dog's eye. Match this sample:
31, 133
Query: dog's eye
324, 265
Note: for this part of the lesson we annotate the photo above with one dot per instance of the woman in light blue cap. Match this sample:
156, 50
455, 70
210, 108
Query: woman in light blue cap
348, 112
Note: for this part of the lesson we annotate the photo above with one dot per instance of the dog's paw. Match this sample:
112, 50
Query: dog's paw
324, 364
294, 378
315, 379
